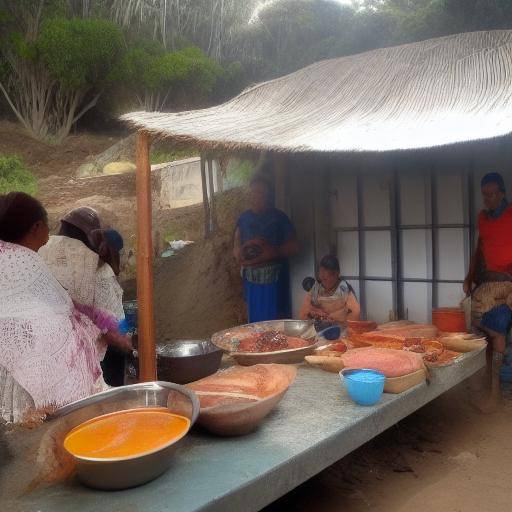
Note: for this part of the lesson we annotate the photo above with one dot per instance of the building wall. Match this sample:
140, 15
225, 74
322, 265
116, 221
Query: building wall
181, 183
394, 190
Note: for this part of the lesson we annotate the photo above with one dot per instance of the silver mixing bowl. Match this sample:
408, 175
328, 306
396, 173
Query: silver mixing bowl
121, 473
184, 361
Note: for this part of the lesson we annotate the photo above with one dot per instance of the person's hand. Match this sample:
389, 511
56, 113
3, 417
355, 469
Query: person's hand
317, 313
268, 252
120, 341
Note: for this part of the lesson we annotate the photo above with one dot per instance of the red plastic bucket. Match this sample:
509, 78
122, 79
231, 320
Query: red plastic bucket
449, 319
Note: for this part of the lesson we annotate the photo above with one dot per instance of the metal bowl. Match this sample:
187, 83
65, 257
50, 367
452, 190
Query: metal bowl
185, 361
121, 473
228, 339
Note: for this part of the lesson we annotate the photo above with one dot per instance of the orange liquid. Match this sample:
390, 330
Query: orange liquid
126, 433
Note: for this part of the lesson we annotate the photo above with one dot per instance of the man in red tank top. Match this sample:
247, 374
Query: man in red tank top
491, 272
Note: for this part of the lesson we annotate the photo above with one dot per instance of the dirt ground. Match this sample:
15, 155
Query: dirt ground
202, 282
46, 160
446, 457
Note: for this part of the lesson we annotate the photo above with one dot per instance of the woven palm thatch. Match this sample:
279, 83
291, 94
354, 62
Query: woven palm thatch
432, 93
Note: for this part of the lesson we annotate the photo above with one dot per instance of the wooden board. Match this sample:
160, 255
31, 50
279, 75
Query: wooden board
401, 384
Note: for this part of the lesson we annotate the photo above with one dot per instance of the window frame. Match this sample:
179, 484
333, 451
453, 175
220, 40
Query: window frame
397, 229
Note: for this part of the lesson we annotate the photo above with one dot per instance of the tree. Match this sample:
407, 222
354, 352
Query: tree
54, 69
211, 25
157, 77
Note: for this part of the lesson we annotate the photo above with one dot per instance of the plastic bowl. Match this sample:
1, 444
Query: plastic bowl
364, 387
328, 330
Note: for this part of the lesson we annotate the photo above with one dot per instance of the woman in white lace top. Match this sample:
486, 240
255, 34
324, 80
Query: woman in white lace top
50, 352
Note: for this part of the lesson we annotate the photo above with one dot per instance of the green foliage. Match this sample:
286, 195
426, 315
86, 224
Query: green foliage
135, 63
148, 69
15, 177
240, 173
23, 48
290, 34
79, 53
162, 156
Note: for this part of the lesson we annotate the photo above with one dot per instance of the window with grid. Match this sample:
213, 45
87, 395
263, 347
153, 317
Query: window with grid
403, 240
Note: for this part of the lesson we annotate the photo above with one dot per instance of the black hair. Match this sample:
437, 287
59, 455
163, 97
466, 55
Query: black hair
67, 229
18, 213
330, 262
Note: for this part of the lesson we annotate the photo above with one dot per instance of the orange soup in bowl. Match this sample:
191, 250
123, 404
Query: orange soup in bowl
125, 434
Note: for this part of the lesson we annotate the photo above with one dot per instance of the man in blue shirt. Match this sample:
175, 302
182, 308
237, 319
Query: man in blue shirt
264, 240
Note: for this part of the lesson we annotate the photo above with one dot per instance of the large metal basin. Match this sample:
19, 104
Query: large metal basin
228, 339
121, 473
185, 361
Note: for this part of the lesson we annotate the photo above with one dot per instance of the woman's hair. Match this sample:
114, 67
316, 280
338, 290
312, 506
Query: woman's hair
493, 177
67, 229
330, 262
18, 213
108, 244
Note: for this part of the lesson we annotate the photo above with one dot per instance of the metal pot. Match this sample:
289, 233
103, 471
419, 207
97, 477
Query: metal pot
185, 361
121, 473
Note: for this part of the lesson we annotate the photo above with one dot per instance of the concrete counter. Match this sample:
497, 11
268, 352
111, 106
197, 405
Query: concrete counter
315, 425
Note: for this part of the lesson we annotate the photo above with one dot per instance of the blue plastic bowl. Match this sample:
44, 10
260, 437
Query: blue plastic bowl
329, 331
364, 387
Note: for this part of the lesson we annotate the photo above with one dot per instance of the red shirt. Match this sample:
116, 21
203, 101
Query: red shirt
496, 240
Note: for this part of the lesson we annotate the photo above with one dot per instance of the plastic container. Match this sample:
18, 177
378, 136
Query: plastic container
328, 330
364, 387
449, 319
130, 313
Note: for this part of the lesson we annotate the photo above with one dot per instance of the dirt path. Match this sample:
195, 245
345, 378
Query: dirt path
445, 457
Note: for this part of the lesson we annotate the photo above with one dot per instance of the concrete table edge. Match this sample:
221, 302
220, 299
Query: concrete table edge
267, 480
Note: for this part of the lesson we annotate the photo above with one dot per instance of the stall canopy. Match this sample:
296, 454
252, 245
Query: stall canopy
433, 93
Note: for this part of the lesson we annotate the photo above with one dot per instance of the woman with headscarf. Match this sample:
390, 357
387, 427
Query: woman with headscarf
85, 260
50, 352
490, 275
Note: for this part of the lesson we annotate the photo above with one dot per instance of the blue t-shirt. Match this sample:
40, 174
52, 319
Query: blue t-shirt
272, 225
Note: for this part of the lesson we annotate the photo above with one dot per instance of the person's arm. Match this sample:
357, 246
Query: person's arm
107, 324
476, 260
309, 311
353, 307
305, 308
289, 248
272, 253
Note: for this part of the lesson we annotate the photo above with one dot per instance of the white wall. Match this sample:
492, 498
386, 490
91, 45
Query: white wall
451, 167
181, 183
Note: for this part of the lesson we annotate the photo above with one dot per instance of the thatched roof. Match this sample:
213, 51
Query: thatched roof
433, 93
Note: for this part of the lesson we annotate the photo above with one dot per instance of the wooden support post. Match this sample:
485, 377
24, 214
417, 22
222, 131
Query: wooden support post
213, 218
146, 328
206, 203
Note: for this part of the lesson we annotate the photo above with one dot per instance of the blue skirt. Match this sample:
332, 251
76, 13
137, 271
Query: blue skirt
498, 319
268, 301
